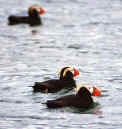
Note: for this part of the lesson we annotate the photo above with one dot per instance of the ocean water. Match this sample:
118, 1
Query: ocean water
84, 34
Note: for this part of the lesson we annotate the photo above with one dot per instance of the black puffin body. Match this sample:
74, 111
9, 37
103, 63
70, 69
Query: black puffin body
82, 99
66, 81
33, 17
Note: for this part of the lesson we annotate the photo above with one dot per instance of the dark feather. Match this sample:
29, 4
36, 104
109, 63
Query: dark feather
33, 18
53, 85
81, 100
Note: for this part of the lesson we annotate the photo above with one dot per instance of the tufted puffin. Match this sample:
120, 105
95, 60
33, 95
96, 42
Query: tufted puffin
65, 80
33, 17
82, 99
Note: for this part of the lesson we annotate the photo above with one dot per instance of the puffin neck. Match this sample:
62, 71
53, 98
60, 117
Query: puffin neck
67, 78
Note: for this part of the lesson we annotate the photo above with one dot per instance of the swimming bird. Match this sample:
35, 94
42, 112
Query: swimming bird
33, 17
66, 80
82, 98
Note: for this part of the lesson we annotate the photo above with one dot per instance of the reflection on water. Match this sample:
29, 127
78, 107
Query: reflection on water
94, 109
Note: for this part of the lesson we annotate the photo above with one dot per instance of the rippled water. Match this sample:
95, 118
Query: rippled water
84, 34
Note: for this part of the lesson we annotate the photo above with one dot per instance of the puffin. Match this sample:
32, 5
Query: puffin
82, 98
66, 80
33, 17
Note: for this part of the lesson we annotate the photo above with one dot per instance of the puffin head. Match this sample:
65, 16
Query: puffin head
93, 91
67, 73
35, 10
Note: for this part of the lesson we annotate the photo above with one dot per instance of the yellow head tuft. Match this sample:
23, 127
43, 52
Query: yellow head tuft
65, 71
90, 88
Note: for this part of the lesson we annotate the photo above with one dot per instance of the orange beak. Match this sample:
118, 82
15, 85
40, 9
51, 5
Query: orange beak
42, 11
76, 72
96, 92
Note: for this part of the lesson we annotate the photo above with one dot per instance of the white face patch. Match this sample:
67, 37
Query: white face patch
90, 89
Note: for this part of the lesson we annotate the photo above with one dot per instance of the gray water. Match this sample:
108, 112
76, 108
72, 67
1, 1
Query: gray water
85, 34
